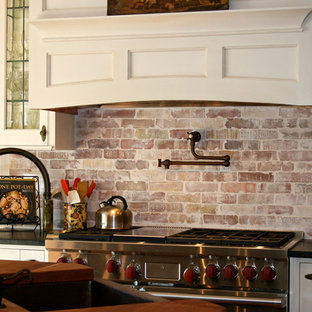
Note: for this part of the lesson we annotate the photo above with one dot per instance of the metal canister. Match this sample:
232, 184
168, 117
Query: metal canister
75, 217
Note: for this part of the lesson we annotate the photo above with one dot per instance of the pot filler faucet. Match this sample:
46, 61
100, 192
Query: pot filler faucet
195, 137
47, 200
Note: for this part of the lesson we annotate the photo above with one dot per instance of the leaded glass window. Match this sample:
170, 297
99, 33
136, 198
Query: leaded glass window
18, 114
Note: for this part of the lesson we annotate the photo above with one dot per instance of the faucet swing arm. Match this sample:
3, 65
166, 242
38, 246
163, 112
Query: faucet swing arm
37, 162
195, 137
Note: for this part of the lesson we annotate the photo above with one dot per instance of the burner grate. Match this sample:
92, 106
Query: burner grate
91, 234
231, 237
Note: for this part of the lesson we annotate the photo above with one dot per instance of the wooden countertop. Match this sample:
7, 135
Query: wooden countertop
186, 305
9, 306
43, 272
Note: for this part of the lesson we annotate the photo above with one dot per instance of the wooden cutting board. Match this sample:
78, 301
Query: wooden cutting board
9, 306
189, 305
43, 272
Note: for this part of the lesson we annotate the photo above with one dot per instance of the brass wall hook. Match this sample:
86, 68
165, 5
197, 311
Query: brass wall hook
195, 137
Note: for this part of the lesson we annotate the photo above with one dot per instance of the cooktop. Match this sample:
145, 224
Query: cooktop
167, 235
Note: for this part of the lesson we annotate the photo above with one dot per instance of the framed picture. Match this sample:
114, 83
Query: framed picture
19, 200
118, 7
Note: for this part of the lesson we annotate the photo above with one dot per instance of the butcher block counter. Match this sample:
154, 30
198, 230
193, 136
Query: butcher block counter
44, 286
189, 305
43, 272
186, 305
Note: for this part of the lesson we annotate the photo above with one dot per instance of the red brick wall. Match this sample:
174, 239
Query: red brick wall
268, 184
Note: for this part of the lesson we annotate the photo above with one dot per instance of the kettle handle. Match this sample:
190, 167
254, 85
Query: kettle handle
110, 201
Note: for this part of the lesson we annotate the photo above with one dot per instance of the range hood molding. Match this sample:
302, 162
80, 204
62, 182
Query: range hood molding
228, 56
225, 22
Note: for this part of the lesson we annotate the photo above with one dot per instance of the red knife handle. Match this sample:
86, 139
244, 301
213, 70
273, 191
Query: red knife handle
75, 185
65, 186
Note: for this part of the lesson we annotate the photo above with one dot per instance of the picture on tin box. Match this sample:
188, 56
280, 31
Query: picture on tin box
18, 199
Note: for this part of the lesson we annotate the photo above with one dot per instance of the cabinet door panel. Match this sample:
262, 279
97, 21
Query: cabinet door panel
32, 255
9, 254
68, 8
305, 298
22, 137
19, 125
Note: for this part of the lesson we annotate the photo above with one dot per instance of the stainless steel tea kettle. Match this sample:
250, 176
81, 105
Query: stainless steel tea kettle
113, 217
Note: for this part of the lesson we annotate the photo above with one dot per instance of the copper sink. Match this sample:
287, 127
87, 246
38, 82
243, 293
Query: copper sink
74, 295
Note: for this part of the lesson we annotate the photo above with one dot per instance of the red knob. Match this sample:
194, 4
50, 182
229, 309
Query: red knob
268, 273
230, 272
250, 273
212, 271
112, 266
131, 272
190, 275
80, 261
63, 259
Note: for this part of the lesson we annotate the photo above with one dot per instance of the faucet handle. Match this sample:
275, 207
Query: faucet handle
194, 136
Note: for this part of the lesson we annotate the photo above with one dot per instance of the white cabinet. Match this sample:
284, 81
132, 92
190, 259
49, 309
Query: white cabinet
258, 55
22, 252
19, 126
68, 8
300, 286
9, 254
32, 254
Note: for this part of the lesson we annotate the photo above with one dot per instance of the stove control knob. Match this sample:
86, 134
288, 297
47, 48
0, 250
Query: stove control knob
64, 259
230, 272
112, 266
250, 273
191, 275
80, 260
212, 271
132, 271
268, 273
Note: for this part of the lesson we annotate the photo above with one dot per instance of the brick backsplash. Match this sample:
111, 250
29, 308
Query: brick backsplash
267, 186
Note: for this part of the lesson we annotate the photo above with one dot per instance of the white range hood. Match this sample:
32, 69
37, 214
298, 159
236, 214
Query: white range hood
259, 55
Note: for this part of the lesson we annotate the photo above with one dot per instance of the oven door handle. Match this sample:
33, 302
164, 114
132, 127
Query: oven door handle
279, 302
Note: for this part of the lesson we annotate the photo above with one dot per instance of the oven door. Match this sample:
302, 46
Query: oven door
238, 301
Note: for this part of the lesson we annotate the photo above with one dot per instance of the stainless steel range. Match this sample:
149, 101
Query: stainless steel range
241, 269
